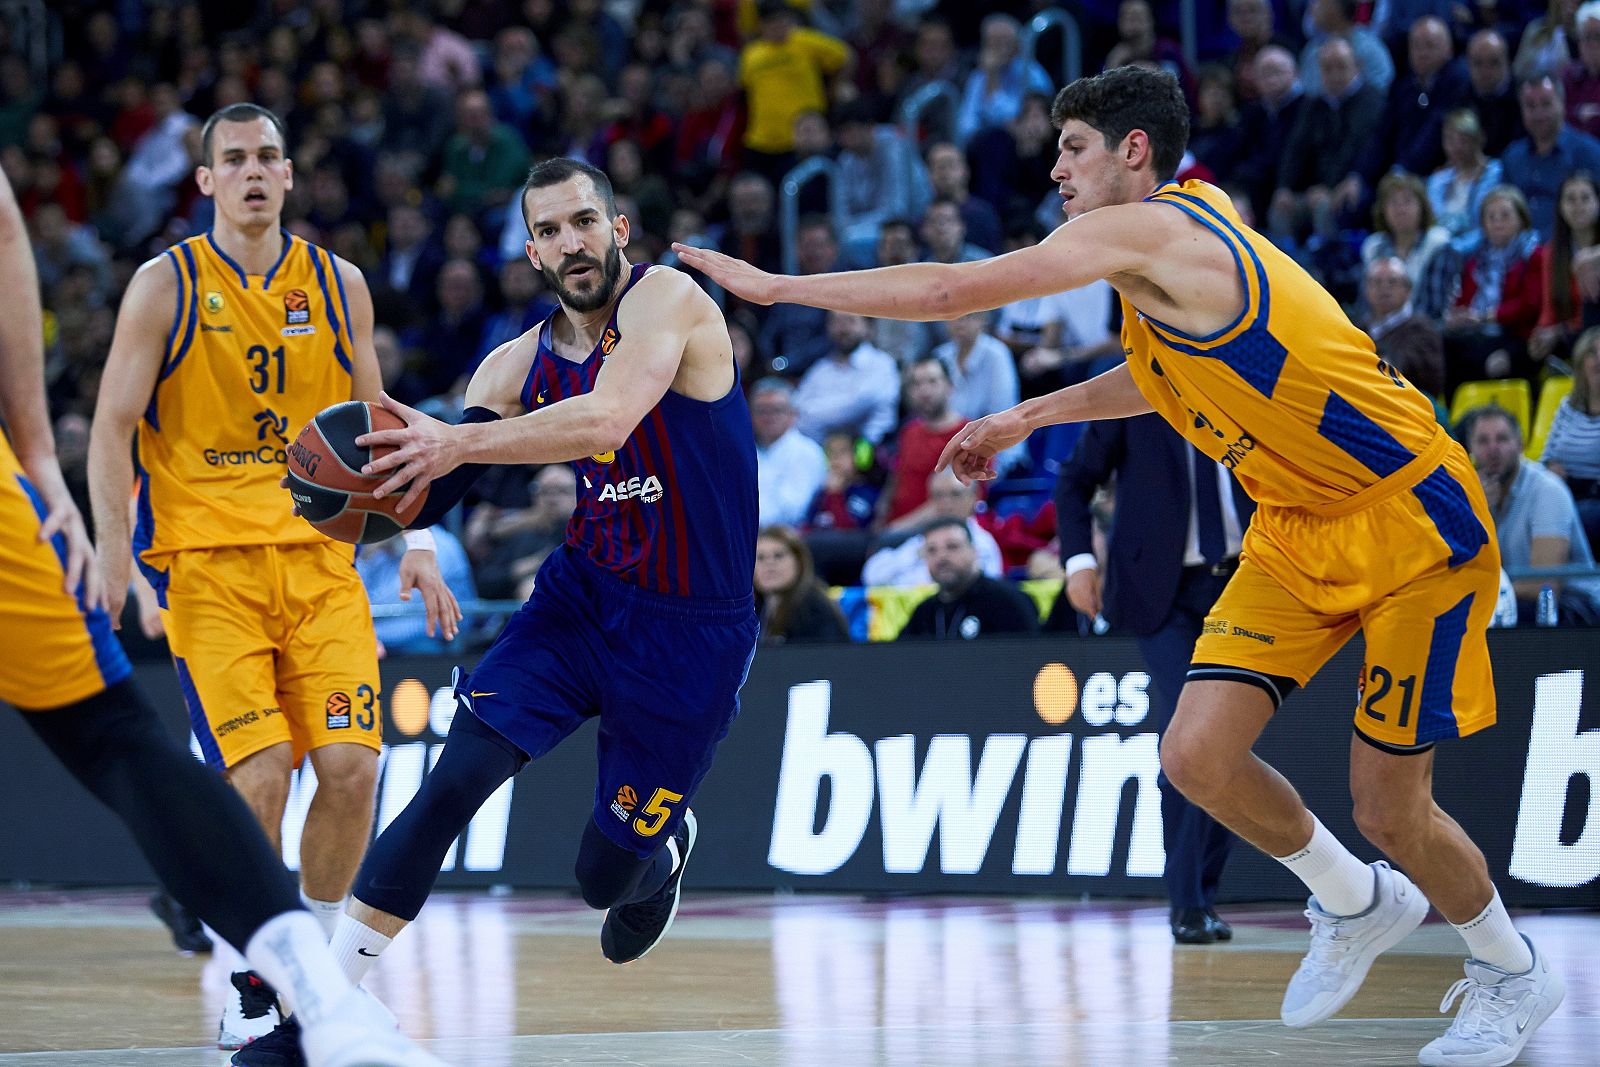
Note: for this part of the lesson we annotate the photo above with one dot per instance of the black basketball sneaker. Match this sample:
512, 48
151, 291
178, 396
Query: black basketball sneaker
633, 929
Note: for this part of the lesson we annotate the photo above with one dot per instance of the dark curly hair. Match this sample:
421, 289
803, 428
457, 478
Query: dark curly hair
1124, 99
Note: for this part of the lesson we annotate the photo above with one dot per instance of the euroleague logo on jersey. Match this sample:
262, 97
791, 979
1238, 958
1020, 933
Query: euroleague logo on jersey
296, 307
626, 801
646, 490
338, 709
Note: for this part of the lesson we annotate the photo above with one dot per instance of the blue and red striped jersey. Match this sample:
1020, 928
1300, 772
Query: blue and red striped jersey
674, 509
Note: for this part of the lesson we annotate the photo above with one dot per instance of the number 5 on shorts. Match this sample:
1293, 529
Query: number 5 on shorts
658, 811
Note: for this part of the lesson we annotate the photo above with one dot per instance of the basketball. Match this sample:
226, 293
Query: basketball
325, 476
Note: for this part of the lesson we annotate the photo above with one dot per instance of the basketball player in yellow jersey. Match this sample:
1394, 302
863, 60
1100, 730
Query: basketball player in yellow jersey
64, 668
1370, 517
226, 345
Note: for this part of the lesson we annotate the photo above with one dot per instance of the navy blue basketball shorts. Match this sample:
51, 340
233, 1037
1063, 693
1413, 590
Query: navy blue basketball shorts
662, 673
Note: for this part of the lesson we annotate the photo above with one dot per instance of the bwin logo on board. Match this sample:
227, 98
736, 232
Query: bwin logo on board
965, 801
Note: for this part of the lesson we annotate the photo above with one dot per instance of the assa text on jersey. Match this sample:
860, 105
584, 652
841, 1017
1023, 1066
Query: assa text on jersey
647, 490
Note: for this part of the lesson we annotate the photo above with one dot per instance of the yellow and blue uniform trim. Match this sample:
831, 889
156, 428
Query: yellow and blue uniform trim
340, 330
109, 658
1436, 718
1245, 345
1442, 497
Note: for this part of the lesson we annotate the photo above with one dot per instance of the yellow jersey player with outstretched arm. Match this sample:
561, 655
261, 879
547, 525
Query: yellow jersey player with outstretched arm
1370, 518
226, 345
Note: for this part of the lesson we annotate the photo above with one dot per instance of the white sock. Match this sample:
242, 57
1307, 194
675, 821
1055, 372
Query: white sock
356, 947
289, 951
225, 952
326, 912
1493, 940
1342, 884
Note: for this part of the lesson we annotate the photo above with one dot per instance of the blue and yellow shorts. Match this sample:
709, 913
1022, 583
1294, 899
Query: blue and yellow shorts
272, 643
1412, 562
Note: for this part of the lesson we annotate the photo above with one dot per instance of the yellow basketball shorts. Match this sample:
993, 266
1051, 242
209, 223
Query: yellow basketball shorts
1412, 562
52, 652
272, 643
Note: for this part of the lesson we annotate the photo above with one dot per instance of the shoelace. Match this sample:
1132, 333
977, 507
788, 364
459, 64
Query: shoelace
1329, 942
643, 914
1481, 1012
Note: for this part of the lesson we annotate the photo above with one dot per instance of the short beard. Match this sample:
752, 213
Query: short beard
610, 272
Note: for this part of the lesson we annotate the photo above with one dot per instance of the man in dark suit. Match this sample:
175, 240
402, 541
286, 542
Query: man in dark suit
1265, 124
1174, 541
1330, 132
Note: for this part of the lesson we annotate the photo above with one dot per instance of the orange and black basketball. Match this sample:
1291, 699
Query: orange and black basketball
325, 476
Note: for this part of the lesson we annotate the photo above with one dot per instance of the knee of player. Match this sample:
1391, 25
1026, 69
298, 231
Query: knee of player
1387, 825
348, 776
1185, 763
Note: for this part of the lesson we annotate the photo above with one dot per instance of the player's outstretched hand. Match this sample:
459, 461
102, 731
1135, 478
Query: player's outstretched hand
734, 275
61, 516
970, 453
423, 451
419, 570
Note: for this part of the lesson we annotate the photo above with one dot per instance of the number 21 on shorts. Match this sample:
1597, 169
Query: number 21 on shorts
658, 810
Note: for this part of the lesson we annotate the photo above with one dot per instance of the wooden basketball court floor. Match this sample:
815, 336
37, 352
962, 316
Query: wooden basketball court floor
798, 981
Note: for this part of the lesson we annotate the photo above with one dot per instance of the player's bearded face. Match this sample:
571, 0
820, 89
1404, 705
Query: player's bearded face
582, 282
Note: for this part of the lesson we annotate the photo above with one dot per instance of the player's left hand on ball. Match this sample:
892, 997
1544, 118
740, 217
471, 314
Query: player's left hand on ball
423, 451
419, 569
735, 275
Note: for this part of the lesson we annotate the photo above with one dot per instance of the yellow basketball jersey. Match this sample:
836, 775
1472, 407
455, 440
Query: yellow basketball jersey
1291, 397
250, 359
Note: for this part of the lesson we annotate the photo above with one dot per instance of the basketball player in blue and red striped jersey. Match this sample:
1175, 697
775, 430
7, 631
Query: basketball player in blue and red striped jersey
644, 617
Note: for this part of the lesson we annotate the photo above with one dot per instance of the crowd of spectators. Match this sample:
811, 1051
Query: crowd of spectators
1433, 164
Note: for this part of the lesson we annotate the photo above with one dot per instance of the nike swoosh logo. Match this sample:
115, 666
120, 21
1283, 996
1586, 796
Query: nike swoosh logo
475, 694
364, 952
1528, 1012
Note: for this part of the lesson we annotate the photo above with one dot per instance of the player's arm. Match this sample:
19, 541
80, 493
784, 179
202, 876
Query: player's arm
1112, 395
22, 399
1105, 243
366, 380
132, 369
419, 567
663, 314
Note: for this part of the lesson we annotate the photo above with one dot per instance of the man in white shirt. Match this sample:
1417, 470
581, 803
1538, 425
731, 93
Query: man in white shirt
1535, 517
790, 467
904, 563
855, 387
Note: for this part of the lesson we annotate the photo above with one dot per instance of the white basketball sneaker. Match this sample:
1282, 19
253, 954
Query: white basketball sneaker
1498, 1016
360, 1033
250, 1013
1344, 946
